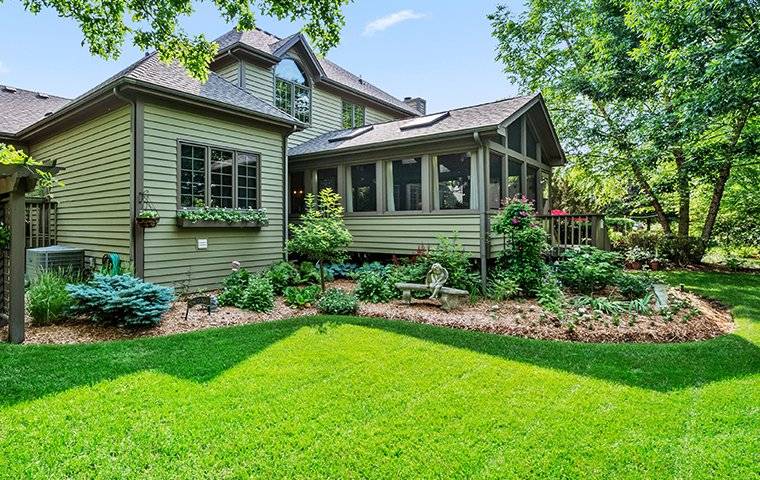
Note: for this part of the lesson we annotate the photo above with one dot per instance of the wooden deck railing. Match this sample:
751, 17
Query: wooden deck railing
568, 231
41, 222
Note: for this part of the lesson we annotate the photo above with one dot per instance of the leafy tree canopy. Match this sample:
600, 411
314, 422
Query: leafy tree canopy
153, 24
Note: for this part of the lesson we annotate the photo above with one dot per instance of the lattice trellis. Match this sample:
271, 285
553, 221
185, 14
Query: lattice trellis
3, 269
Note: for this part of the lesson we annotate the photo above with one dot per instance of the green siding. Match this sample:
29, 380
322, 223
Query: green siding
402, 234
230, 73
170, 252
259, 81
375, 116
94, 204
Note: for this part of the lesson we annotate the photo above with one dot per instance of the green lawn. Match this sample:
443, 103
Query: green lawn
337, 397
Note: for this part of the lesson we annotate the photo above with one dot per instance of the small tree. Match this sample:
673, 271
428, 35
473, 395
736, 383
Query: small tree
322, 235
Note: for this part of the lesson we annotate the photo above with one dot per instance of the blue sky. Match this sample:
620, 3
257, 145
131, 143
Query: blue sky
440, 50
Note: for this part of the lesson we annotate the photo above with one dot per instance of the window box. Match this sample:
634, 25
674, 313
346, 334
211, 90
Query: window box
185, 223
210, 217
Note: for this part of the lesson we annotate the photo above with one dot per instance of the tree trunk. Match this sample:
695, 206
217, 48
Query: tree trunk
720, 184
661, 217
684, 194
322, 276
717, 197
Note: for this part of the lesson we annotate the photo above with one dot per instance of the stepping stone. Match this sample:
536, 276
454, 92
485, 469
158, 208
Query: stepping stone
661, 295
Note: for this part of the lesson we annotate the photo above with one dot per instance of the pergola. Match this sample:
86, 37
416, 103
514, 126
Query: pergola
15, 182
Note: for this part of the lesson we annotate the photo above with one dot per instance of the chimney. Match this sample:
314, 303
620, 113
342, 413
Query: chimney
417, 103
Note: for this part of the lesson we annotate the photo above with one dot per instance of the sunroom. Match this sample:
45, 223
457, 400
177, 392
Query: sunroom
404, 183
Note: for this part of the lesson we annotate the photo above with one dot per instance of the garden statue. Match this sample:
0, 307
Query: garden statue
435, 278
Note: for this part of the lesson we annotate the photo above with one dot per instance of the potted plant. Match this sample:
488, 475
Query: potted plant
635, 257
148, 218
655, 263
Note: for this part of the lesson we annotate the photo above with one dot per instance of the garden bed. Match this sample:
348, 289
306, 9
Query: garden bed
524, 318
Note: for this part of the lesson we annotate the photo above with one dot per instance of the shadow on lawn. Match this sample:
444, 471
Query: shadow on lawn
27, 373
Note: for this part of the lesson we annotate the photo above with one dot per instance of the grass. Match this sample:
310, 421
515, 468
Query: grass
348, 397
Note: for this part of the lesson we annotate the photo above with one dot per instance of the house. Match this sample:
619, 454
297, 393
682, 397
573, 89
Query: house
273, 122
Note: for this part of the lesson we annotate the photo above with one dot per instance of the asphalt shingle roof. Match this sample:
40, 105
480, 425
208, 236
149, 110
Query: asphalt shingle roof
463, 119
268, 44
20, 108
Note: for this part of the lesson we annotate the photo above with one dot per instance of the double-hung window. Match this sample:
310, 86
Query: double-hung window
353, 115
218, 177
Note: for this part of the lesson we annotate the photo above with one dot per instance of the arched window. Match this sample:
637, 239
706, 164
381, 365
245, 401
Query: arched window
291, 90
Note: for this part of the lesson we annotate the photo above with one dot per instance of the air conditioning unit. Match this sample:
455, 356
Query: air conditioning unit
57, 257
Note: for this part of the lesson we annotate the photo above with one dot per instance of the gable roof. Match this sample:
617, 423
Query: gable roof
152, 74
274, 48
487, 116
20, 108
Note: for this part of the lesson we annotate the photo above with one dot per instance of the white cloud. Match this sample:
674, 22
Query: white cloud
384, 23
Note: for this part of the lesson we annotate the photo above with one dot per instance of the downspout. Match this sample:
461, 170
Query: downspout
136, 234
285, 192
483, 210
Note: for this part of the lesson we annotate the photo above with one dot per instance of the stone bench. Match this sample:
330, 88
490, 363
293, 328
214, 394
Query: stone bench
450, 297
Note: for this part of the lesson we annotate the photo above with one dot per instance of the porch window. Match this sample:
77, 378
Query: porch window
544, 192
353, 115
363, 189
532, 187
531, 149
297, 189
514, 135
406, 185
495, 170
327, 178
454, 181
217, 177
292, 93
514, 177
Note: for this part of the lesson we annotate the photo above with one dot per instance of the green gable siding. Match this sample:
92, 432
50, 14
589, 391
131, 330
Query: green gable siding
375, 116
170, 252
230, 72
94, 204
259, 81
403, 234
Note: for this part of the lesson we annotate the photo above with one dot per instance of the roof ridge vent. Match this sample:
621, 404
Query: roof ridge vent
426, 121
10, 89
42, 95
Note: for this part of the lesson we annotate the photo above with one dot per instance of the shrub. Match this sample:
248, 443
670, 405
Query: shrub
633, 286
282, 275
374, 287
371, 267
551, 298
644, 239
258, 295
322, 235
681, 250
340, 270
301, 297
413, 272
234, 286
308, 274
501, 286
121, 300
47, 299
338, 302
525, 246
588, 269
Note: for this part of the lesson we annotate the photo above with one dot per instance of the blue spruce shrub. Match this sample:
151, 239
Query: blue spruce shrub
121, 300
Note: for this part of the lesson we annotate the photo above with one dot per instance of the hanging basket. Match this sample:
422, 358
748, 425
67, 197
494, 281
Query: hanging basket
148, 222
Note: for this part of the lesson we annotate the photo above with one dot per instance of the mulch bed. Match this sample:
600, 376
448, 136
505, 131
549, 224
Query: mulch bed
525, 318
